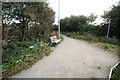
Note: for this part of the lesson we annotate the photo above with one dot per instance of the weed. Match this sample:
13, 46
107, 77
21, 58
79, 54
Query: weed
19, 53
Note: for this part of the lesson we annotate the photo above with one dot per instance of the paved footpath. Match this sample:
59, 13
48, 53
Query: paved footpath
72, 59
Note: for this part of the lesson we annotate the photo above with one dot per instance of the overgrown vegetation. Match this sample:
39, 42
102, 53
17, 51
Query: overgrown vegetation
26, 20
84, 24
114, 15
26, 30
23, 53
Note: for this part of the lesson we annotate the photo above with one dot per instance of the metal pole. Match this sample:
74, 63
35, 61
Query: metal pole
108, 29
58, 19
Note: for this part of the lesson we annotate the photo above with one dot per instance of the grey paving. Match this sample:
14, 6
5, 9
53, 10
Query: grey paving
72, 59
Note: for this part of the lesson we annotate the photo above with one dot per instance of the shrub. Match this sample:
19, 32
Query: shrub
17, 52
109, 40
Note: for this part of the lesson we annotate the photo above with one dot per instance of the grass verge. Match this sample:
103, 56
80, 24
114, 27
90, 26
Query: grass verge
18, 56
107, 44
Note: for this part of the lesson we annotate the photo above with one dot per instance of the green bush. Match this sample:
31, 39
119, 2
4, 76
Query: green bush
109, 40
17, 52
88, 37
92, 38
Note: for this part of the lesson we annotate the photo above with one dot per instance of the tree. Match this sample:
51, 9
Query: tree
16, 11
114, 16
45, 17
92, 18
37, 13
74, 23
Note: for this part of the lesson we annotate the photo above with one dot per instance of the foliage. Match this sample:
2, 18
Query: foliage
92, 18
55, 27
93, 38
113, 40
20, 53
83, 25
35, 19
26, 30
74, 23
114, 16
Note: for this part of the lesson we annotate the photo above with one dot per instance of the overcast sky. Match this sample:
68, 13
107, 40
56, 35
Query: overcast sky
81, 7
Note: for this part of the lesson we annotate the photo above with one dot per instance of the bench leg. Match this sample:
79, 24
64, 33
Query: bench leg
53, 44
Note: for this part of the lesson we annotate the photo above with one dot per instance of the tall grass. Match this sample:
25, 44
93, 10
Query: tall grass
18, 56
92, 38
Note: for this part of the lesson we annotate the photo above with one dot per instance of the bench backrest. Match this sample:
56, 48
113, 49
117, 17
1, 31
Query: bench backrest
53, 38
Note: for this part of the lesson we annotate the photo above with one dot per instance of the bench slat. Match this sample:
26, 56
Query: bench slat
57, 41
54, 39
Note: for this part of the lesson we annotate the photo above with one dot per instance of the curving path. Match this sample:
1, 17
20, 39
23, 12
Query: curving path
72, 59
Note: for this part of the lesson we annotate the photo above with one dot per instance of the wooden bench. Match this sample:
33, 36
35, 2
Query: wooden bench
54, 40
